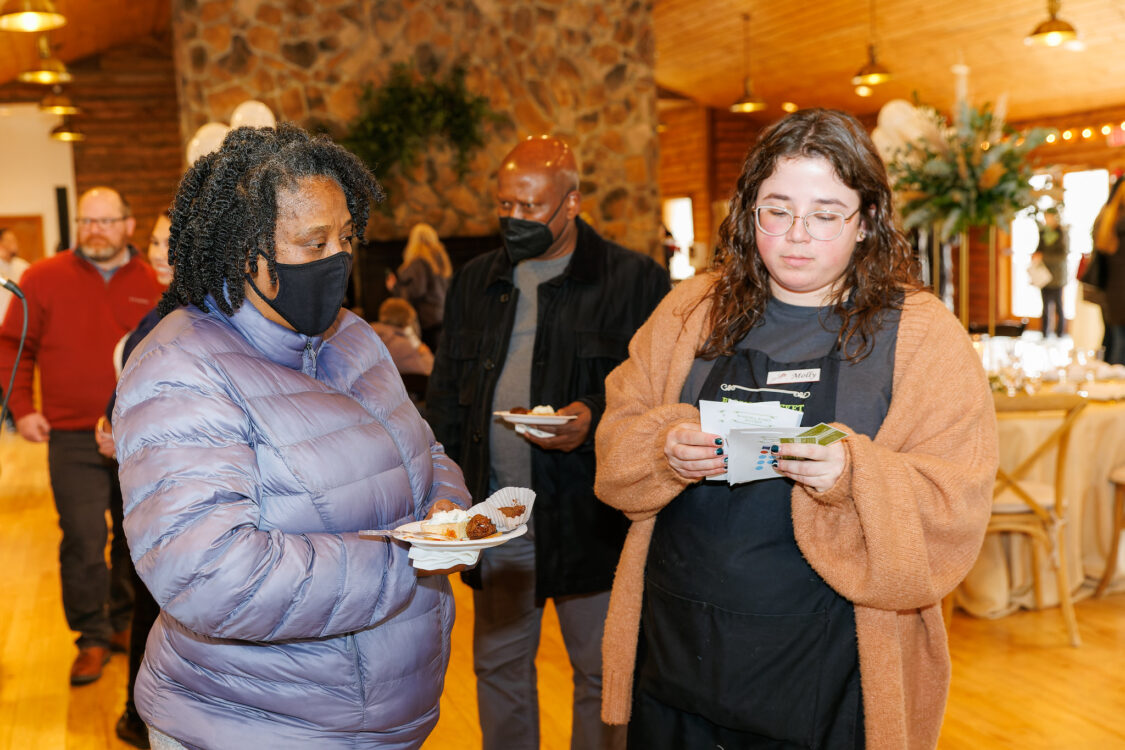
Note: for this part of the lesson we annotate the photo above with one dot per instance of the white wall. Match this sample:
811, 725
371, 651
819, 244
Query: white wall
32, 165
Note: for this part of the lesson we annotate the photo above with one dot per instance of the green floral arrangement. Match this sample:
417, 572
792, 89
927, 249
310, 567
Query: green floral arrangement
396, 121
973, 173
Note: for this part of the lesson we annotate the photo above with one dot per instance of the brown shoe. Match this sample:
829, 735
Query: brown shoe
119, 642
88, 666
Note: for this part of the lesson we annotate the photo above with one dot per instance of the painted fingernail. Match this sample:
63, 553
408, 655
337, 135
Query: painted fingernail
718, 451
725, 460
773, 449
718, 441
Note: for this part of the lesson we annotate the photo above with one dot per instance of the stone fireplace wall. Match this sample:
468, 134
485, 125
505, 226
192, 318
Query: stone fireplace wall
578, 69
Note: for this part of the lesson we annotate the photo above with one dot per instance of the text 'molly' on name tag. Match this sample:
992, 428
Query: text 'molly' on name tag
811, 375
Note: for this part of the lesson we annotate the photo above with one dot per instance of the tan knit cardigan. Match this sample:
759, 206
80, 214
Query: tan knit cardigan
898, 531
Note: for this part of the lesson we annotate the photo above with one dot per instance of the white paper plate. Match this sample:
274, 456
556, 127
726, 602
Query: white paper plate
407, 531
507, 416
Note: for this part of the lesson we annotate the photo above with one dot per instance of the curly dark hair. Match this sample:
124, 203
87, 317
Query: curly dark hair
225, 211
881, 268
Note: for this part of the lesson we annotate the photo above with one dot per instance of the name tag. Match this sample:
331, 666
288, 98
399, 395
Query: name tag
794, 376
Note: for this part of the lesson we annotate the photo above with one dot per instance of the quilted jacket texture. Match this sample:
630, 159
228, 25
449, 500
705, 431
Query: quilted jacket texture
250, 457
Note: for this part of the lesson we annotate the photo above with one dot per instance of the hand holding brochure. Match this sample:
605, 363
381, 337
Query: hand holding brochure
751, 451
750, 430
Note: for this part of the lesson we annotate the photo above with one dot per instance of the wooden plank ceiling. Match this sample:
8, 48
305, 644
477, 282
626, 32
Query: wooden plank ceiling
807, 53
92, 26
800, 52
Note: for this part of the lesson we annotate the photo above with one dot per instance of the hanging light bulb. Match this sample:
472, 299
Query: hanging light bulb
1053, 31
749, 101
67, 132
30, 15
58, 103
49, 70
872, 73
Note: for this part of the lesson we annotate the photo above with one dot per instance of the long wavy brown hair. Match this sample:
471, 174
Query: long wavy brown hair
882, 266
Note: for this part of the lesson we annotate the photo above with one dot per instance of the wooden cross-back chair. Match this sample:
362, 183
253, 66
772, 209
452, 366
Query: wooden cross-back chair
1038, 509
1117, 477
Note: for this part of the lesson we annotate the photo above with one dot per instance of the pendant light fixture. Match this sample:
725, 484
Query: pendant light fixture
58, 103
749, 101
1054, 31
67, 132
30, 15
49, 70
872, 73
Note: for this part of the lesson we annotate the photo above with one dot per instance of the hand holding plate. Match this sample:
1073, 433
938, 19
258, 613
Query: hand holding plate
569, 435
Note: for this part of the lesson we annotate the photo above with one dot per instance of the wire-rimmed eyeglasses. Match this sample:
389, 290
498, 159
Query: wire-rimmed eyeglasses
821, 225
105, 223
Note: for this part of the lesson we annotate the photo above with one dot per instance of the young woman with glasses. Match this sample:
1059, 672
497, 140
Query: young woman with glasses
800, 611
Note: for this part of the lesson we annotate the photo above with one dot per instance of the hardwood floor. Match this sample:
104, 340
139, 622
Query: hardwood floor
1016, 684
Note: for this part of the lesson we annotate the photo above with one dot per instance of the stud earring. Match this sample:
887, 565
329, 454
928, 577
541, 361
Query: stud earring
862, 236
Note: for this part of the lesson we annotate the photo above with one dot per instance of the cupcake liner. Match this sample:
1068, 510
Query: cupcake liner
506, 497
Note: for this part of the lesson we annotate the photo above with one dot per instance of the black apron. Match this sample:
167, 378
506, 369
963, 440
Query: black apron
738, 631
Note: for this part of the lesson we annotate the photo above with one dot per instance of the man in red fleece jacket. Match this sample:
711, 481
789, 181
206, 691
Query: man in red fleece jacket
79, 304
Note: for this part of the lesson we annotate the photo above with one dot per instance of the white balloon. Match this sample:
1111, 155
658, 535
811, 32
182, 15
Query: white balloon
252, 114
207, 139
895, 118
886, 145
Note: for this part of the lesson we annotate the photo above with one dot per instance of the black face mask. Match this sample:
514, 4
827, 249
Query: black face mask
309, 295
525, 239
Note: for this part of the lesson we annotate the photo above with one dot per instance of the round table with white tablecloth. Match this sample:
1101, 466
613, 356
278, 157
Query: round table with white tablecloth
1000, 582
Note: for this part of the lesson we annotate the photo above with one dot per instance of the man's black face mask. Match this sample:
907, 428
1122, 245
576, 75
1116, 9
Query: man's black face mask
524, 239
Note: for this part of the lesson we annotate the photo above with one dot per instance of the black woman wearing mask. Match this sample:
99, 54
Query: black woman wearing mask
259, 427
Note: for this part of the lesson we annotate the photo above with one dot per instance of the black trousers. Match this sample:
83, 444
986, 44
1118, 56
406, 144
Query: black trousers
1052, 302
97, 600
145, 612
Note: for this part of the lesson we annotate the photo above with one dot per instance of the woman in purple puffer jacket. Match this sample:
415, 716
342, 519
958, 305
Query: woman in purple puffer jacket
259, 428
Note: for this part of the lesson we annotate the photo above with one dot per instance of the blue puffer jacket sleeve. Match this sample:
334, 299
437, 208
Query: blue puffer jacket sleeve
246, 481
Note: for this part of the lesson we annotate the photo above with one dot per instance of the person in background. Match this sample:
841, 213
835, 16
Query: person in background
259, 427
1109, 231
130, 728
803, 610
423, 279
1052, 251
80, 303
540, 321
11, 267
397, 329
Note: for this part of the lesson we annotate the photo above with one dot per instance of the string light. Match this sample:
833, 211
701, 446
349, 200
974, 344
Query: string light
1064, 135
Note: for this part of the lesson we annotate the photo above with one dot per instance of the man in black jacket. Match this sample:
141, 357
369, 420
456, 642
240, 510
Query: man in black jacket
540, 321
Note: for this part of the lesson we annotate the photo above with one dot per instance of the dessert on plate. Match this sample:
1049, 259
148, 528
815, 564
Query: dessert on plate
541, 410
458, 525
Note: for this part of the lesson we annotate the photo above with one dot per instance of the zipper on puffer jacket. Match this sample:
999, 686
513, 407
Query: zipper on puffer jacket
308, 359
354, 648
